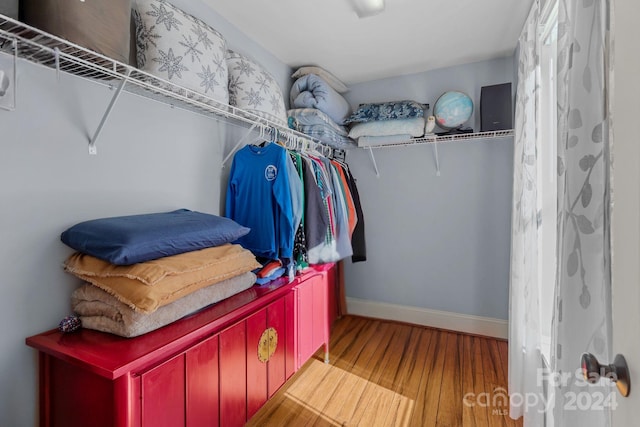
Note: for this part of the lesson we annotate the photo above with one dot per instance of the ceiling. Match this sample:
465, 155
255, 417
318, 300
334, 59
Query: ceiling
410, 36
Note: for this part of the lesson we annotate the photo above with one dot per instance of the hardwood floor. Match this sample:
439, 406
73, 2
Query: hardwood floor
384, 373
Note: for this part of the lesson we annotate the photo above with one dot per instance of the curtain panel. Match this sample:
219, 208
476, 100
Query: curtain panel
582, 307
582, 315
524, 324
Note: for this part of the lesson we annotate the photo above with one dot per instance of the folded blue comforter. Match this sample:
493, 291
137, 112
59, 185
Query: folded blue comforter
311, 91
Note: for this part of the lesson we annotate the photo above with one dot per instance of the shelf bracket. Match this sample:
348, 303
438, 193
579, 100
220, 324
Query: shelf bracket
92, 143
373, 160
9, 84
56, 55
240, 142
436, 158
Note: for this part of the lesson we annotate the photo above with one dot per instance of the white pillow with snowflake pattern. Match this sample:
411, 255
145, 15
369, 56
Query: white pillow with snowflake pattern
180, 48
253, 89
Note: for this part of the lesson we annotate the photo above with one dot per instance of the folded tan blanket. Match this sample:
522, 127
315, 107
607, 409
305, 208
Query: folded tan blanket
149, 285
103, 312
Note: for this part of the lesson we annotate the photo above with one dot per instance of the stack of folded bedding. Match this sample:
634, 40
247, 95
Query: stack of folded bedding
315, 123
143, 272
385, 123
318, 108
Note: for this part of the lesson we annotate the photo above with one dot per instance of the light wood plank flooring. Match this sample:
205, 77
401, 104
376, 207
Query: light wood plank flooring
384, 373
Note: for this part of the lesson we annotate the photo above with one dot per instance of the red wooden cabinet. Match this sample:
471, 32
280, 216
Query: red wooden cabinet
311, 317
216, 367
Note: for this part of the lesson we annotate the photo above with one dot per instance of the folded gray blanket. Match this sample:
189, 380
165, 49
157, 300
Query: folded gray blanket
103, 312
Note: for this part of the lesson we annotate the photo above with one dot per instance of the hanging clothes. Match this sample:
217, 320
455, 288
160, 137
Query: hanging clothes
259, 197
299, 242
316, 215
326, 250
302, 208
358, 242
341, 213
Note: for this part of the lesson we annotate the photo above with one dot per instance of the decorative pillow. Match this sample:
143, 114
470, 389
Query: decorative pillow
413, 126
177, 47
332, 80
387, 111
253, 89
132, 239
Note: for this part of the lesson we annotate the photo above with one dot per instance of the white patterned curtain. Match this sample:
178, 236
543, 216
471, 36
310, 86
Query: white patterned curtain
582, 318
524, 325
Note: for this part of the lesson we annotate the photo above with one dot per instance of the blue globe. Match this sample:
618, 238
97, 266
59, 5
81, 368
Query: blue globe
452, 109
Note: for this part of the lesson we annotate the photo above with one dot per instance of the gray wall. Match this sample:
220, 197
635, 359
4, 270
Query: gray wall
150, 158
9, 8
436, 242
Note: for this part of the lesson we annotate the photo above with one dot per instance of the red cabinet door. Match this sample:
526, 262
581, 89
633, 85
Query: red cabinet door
233, 376
304, 301
256, 368
320, 324
266, 372
276, 366
163, 400
202, 384
312, 316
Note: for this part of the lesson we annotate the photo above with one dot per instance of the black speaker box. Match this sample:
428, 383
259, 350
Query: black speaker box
496, 111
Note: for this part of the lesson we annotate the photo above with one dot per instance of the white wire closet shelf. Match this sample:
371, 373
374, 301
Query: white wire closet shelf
37, 46
434, 140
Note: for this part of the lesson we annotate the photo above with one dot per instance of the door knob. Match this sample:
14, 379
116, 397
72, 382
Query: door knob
618, 372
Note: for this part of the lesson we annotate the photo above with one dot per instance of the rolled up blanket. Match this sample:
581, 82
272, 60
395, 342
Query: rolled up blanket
311, 91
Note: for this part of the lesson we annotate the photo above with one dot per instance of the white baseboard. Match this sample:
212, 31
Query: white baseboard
477, 325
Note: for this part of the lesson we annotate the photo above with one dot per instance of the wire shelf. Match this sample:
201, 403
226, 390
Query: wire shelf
37, 46
436, 139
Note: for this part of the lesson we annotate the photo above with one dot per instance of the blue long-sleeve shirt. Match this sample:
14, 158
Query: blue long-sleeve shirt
259, 197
